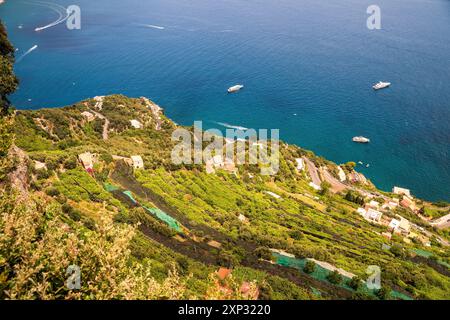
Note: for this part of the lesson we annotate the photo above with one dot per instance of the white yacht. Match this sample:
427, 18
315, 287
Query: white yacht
361, 139
235, 88
381, 85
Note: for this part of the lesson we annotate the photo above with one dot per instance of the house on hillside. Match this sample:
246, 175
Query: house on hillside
391, 204
404, 226
223, 273
138, 163
300, 164
408, 203
341, 174
361, 211
218, 162
394, 224
373, 205
39, 165
314, 186
401, 191
242, 218
136, 124
373, 215
88, 160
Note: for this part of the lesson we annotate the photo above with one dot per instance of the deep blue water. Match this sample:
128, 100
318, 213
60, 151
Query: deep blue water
307, 66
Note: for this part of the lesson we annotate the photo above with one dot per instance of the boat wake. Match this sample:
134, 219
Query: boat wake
229, 126
27, 53
63, 15
151, 26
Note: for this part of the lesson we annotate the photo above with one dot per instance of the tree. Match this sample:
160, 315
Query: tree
310, 266
8, 81
383, 293
334, 277
325, 187
355, 283
397, 250
264, 253
296, 235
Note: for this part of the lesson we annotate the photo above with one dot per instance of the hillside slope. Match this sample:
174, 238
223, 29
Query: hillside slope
74, 183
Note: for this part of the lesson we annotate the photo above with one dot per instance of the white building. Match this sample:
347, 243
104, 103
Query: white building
341, 174
373, 215
401, 191
314, 186
270, 193
394, 224
374, 204
300, 164
88, 160
242, 218
136, 124
39, 165
361, 211
138, 163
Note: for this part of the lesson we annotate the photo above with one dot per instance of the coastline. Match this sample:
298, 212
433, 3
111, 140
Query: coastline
359, 173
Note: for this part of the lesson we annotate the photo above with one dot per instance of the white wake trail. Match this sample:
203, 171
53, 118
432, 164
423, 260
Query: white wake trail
229, 126
60, 10
27, 53
152, 26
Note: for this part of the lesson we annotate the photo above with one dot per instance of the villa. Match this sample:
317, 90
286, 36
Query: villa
401, 191
138, 163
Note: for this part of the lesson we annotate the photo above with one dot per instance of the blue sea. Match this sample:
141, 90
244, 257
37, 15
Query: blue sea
307, 66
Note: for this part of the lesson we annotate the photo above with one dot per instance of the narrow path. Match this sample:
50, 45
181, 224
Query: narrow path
105, 125
313, 172
336, 185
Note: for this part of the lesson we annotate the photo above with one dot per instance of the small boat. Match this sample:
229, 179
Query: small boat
361, 139
235, 88
381, 85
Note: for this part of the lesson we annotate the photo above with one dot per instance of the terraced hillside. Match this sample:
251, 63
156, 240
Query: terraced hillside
281, 237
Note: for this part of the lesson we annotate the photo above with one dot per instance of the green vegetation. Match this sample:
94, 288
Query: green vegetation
8, 81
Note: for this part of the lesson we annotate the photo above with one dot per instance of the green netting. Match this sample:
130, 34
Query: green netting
161, 215
316, 292
321, 274
422, 253
110, 188
399, 295
130, 195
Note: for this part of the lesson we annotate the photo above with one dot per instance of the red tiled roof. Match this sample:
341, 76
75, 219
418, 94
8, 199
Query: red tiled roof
223, 273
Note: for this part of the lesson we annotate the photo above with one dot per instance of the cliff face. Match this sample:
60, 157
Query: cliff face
81, 167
